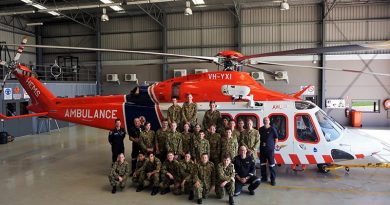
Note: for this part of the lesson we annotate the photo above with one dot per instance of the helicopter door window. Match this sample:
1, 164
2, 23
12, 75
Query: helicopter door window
176, 90
279, 122
245, 117
305, 130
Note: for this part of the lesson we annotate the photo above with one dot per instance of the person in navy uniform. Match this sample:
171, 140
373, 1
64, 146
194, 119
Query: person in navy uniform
134, 136
268, 140
115, 138
245, 172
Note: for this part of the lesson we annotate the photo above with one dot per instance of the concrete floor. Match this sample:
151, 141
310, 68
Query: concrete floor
71, 167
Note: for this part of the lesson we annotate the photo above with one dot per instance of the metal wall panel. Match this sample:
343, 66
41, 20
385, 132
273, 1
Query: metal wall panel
147, 40
218, 36
189, 51
346, 31
217, 18
348, 12
108, 56
178, 20
379, 10
300, 33
260, 15
117, 25
65, 29
83, 57
260, 34
181, 38
301, 14
117, 41
379, 30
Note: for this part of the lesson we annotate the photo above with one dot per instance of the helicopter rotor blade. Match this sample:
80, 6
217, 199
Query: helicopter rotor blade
262, 70
20, 49
331, 49
205, 58
322, 68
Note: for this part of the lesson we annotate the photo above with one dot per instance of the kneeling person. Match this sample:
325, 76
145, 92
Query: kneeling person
119, 172
149, 174
170, 174
244, 165
225, 179
140, 163
204, 178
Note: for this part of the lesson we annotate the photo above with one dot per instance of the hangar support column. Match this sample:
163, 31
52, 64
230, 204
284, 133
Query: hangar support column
98, 58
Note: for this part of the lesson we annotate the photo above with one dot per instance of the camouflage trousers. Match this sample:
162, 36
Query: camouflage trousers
166, 182
135, 179
115, 181
202, 191
144, 181
220, 191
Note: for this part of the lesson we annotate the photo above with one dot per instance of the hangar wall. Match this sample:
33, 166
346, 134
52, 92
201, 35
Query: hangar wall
257, 30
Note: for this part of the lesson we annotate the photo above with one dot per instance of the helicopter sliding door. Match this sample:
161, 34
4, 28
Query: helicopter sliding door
280, 122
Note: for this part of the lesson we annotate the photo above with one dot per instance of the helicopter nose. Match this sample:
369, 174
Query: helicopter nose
362, 145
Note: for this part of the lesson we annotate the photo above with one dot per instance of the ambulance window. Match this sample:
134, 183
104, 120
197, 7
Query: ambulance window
254, 118
279, 122
305, 130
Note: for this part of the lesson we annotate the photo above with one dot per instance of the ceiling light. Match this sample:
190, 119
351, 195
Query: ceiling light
27, 1
54, 13
188, 10
34, 24
284, 6
115, 8
38, 6
198, 2
104, 16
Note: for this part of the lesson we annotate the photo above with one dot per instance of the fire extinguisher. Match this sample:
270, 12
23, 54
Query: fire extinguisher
347, 112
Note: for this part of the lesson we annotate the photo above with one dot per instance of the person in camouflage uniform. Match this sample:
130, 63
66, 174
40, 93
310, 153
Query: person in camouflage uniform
235, 133
140, 163
204, 178
240, 129
150, 174
174, 142
174, 112
119, 172
201, 147
148, 140
161, 138
196, 139
170, 174
215, 145
229, 145
224, 125
225, 179
212, 116
189, 111
187, 167
188, 138
251, 139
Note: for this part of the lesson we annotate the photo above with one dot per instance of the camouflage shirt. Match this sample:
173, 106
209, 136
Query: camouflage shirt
187, 141
229, 146
151, 166
148, 140
215, 147
189, 112
139, 165
187, 169
225, 174
174, 143
211, 118
201, 147
251, 139
161, 138
174, 114
119, 169
205, 173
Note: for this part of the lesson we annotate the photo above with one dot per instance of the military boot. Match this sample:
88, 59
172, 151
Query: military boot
199, 201
231, 200
139, 188
113, 190
191, 196
165, 191
154, 191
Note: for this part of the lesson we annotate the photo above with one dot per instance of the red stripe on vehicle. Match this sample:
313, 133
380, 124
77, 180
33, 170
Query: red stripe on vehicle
279, 159
311, 159
295, 159
359, 156
327, 158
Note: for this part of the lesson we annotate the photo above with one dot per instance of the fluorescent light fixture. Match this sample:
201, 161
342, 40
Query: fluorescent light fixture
27, 1
39, 6
198, 2
34, 24
54, 13
115, 8
188, 10
284, 6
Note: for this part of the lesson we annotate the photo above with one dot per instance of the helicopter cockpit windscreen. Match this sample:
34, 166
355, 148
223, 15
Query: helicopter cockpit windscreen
329, 128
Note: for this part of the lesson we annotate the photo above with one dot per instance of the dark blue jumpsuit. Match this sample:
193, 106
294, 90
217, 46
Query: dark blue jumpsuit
267, 152
116, 140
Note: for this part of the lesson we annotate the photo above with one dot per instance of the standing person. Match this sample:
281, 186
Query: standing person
223, 126
115, 138
268, 140
119, 172
201, 147
225, 179
148, 140
174, 112
189, 111
215, 145
204, 178
161, 138
150, 174
240, 129
134, 136
245, 172
196, 139
251, 139
188, 138
174, 142
142, 119
229, 145
140, 163
212, 116
170, 174
236, 133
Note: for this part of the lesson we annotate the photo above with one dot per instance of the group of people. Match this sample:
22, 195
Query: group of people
194, 160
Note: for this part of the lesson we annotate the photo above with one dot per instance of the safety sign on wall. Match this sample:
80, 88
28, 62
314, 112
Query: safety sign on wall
25, 94
7, 93
309, 91
335, 103
16, 93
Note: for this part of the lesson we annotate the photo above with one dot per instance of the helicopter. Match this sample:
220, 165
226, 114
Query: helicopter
307, 135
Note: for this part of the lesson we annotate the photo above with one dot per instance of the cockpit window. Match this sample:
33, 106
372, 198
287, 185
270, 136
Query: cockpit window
303, 105
305, 130
330, 129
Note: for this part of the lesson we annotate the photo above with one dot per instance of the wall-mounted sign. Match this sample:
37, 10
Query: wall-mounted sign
16, 93
335, 103
7, 93
25, 94
309, 91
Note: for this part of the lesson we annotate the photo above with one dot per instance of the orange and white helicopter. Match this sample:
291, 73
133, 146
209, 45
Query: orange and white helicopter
307, 134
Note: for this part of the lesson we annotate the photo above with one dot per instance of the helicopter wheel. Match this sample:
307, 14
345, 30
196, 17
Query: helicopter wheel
322, 168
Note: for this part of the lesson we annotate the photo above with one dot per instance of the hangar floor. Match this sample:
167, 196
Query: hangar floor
71, 166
